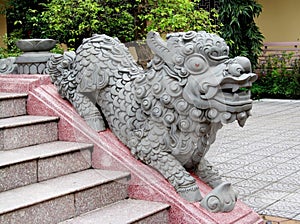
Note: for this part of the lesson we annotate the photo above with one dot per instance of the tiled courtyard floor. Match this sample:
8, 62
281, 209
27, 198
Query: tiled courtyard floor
262, 160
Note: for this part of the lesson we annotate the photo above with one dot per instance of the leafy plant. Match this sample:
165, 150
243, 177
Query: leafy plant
23, 16
239, 28
69, 21
11, 50
279, 77
176, 15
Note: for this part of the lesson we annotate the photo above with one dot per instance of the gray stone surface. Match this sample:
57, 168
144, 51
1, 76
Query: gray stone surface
64, 164
21, 131
100, 196
18, 175
35, 56
12, 104
34, 195
8, 66
169, 114
36, 45
36, 163
270, 180
125, 211
47, 212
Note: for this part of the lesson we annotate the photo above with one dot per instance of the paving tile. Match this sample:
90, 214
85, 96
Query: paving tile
266, 177
242, 150
266, 152
238, 162
293, 197
271, 194
295, 150
279, 172
239, 174
276, 159
262, 160
253, 184
297, 217
278, 220
285, 206
282, 187
292, 179
251, 158
229, 155
222, 172
255, 168
281, 146
258, 203
228, 166
244, 191
232, 180
277, 213
264, 165
286, 154
216, 160
288, 166
295, 160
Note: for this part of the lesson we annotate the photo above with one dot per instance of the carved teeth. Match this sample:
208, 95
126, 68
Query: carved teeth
236, 96
235, 88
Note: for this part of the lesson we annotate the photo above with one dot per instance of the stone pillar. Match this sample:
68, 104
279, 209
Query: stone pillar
35, 56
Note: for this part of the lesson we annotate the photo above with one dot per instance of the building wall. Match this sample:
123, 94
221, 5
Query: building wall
2, 26
280, 20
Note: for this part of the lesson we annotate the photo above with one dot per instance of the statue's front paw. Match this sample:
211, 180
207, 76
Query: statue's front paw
190, 193
220, 199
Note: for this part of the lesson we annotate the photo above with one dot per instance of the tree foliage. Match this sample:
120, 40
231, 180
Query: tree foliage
21, 17
176, 15
239, 28
69, 21
279, 77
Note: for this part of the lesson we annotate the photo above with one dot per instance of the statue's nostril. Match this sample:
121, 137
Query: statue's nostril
245, 63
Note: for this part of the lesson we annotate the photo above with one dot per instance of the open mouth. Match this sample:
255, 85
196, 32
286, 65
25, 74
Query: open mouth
235, 95
235, 91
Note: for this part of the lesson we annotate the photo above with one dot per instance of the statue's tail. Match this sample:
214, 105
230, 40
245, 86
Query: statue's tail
63, 76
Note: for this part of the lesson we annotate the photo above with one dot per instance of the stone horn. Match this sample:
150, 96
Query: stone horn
159, 46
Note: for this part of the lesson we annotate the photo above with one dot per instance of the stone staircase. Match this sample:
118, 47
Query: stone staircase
45, 180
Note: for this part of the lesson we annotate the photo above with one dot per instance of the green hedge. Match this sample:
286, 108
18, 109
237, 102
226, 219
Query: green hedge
279, 77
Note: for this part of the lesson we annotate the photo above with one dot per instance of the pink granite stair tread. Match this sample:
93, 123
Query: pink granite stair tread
4, 95
12, 104
40, 151
125, 211
57, 187
25, 120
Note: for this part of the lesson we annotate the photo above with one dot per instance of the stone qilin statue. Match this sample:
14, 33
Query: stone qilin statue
169, 114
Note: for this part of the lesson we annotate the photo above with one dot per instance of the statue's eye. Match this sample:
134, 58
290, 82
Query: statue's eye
214, 53
196, 64
188, 49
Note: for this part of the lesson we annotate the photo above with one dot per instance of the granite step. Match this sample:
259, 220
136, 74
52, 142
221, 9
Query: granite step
125, 211
26, 130
23, 166
64, 197
12, 104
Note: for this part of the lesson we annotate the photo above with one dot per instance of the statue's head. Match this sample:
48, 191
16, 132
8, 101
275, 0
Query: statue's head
213, 80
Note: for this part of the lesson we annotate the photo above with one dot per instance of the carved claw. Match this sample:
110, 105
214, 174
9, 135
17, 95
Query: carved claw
96, 123
220, 199
208, 173
191, 193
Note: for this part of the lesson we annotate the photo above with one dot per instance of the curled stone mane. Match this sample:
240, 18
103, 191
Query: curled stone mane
169, 114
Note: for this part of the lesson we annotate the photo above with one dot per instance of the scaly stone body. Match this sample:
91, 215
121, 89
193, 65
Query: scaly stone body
169, 114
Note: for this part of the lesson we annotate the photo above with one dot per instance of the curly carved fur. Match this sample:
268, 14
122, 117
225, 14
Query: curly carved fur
169, 114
